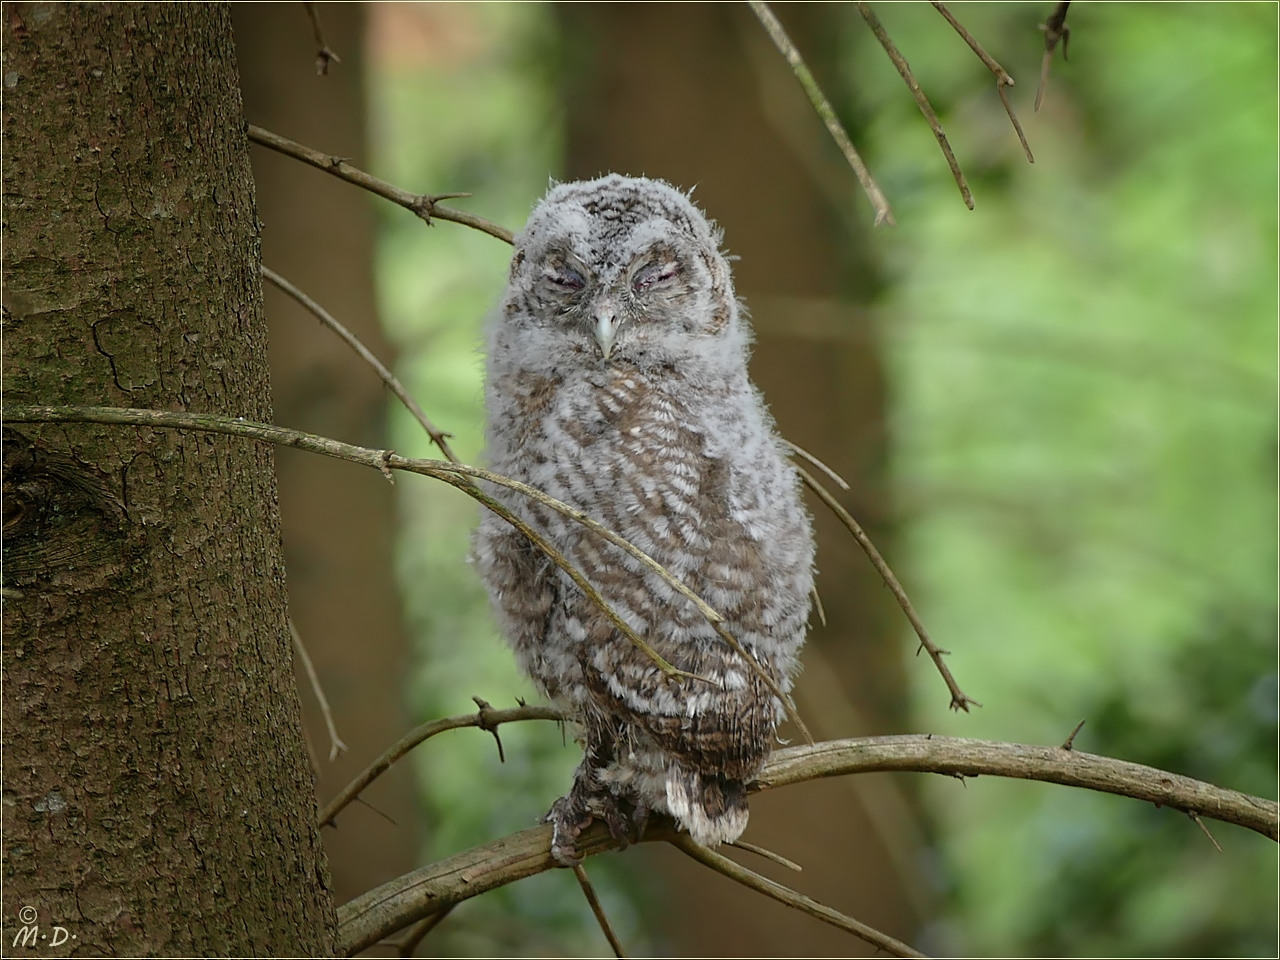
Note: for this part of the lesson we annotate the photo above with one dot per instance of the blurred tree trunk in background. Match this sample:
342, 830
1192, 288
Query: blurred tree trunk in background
698, 96
338, 519
157, 797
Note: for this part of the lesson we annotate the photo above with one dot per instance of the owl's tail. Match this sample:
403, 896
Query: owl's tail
711, 807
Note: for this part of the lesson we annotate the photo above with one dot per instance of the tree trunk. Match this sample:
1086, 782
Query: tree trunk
157, 798
697, 95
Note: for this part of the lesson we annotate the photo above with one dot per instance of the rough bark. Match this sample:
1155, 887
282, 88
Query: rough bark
697, 95
157, 798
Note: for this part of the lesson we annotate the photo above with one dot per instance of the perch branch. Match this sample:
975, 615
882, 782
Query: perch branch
364, 920
1003, 80
438, 437
823, 106
426, 206
959, 699
904, 69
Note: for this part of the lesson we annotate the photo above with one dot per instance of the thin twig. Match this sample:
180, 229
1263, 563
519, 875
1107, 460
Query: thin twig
399, 902
594, 902
323, 54
770, 888
788, 704
1200, 823
1055, 30
900, 62
426, 206
1003, 79
407, 946
485, 719
438, 437
454, 474
959, 699
823, 106
1070, 742
336, 746
800, 451
777, 858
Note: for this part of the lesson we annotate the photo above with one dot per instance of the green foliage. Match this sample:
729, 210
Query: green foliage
1084, 396
1084, 415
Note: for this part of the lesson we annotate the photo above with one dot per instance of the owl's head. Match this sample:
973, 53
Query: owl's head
622, 269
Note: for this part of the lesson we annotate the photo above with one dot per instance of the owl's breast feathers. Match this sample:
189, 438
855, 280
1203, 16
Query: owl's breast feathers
708, 496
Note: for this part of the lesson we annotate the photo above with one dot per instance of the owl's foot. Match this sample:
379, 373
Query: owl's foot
572, 814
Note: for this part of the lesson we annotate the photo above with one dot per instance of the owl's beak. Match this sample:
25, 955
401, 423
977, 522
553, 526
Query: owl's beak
606, 331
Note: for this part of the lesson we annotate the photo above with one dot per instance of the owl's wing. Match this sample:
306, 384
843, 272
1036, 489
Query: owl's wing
522, 591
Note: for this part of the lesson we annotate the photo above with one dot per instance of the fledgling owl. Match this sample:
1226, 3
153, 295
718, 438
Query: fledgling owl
617, 383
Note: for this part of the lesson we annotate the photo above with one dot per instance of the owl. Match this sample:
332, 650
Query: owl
616, 381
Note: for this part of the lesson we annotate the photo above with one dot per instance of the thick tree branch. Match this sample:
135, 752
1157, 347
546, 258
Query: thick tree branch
394, 905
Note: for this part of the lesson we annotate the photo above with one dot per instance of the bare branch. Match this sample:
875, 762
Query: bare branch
963, 757
596, 908
454, 474
1003, 79
336, 746
323, 54
921, 100
397, 903
959, 699
426, 206
770, 888
350, 339
408, 946
1055, 30
823, 106
486, 719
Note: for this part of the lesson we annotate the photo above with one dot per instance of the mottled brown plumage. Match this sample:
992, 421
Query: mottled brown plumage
617, 382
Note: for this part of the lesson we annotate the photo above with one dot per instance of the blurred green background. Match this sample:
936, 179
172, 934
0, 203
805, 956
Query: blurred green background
1082, 441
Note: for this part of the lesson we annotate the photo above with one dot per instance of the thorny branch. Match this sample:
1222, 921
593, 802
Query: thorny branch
486, 718
394, 905
959, 699
426, 206
823, 106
